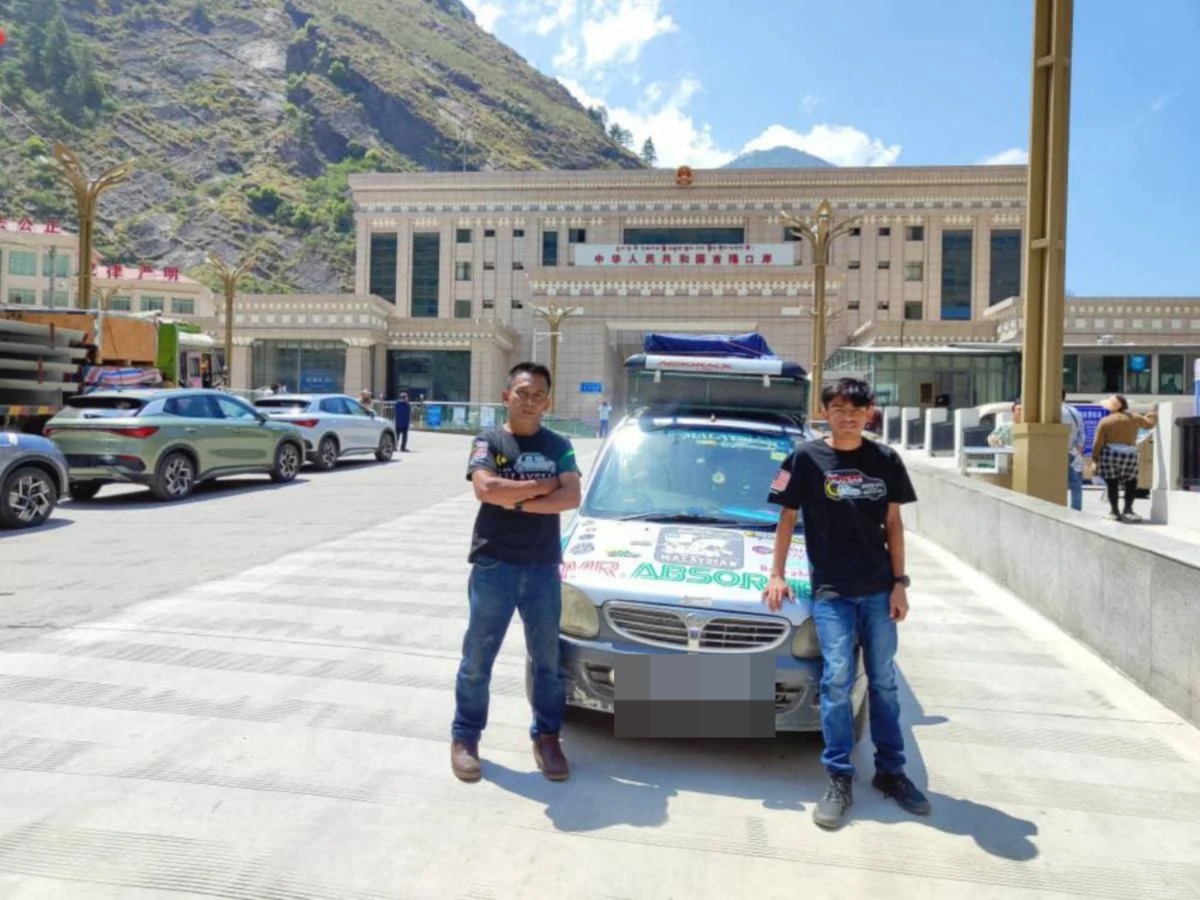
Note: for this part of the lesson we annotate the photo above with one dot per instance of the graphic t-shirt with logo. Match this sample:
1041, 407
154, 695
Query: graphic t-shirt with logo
508, 534
843, 497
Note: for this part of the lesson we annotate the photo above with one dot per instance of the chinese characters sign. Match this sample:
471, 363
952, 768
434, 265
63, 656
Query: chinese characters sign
684, 256
28, 226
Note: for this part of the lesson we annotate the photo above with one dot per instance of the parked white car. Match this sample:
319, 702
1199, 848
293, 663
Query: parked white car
334, 426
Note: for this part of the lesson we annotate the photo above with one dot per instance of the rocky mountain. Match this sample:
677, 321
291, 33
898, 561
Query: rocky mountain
777, 158
245, 118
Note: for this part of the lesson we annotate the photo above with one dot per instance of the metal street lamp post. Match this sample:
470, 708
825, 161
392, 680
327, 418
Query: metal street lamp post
87, 193
820, 238
230, 277
554, 314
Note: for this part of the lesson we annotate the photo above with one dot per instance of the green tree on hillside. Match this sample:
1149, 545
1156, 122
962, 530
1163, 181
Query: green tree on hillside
649, 154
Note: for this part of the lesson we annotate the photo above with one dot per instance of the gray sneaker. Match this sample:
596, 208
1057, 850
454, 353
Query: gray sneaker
832, 809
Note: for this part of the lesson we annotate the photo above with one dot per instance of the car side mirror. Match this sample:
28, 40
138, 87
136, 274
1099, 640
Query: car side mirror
263, 418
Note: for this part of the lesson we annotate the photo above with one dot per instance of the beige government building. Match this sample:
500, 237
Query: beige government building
451, 268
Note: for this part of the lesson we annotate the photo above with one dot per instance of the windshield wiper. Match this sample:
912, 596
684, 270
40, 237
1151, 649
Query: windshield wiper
688, 518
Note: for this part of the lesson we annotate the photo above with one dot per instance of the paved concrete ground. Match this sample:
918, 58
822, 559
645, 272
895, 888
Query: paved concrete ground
264, 713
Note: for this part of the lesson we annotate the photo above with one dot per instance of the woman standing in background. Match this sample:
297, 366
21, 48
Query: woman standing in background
1115, 454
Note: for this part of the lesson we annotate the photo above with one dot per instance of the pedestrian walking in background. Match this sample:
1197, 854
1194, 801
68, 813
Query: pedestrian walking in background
605, 411
1075, 445
849, 491
366, 400
1115, 454
524, 475
403, 419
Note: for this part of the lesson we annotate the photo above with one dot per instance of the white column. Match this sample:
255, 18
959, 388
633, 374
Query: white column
963, 419
888, 413
910, 421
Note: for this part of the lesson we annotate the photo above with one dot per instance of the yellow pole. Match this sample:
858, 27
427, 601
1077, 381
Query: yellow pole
1040, 441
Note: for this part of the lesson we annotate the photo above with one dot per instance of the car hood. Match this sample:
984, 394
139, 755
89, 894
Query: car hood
13, 442
681, 565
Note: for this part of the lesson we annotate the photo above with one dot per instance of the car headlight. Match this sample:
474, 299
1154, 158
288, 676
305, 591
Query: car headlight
805, 644
579, 615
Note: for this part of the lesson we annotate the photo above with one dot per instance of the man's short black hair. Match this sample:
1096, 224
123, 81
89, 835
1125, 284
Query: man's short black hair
533, 369
854, 390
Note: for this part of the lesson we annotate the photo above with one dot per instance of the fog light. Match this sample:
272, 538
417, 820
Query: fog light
805, 644
579, 615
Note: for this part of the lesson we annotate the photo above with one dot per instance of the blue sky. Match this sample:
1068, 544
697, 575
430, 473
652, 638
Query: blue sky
919, 82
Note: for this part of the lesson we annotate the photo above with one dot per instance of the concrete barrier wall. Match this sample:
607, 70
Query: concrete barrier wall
1134, 598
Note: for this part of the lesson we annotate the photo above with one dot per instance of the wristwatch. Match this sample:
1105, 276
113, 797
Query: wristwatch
902, 579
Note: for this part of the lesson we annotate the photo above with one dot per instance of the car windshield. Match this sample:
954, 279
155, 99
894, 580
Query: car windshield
282, 403
709, 475
99, 407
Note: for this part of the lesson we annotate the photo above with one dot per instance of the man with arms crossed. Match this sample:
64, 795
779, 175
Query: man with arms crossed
524, 476
850, 490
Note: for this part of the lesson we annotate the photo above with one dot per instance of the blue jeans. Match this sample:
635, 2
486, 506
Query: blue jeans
1075, 487
838, 623
495, 590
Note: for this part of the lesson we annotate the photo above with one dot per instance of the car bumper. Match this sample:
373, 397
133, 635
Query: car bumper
587, 667
104, 467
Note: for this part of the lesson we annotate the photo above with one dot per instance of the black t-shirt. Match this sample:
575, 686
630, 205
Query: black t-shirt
507, 534
843, 496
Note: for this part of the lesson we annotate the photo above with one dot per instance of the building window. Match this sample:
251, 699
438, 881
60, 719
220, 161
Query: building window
26, 296
489, 304
1137, 373
518, 266
855, 232
956, 275
518, 232
300, 365
121, 304
884, 264
183, 306
462, 309
577, 236
790, 234
882, 304
489, 267
462, 271
549, 249
517, 304
151, 304
382, 269
885, 231
426, 262
22, 263
851, 304
685, 236
914, 233
463, 236
913, 310
854, 264
430, 375
59, 262
1170, 374
914, 271
1070, 372
1005, 279
1101, 374
489, 232
58, 298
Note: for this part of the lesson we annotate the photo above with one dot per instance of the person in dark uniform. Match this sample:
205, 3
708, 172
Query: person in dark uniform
403, 419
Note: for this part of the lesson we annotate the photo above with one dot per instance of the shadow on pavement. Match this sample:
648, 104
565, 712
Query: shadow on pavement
55, 521
209, 490
994, 831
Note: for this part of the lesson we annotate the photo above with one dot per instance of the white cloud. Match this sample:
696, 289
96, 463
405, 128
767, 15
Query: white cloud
556, 15
1014, 156
616, 31
809, 103
567, 56
580, 93
842, 145
486, 13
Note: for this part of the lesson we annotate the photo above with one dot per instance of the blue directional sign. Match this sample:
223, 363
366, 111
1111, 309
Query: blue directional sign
1091, 415
591, 387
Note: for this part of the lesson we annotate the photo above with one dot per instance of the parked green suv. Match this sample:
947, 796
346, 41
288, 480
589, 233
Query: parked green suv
169, 440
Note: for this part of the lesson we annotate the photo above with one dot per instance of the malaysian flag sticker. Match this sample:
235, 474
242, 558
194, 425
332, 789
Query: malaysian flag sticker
781, 481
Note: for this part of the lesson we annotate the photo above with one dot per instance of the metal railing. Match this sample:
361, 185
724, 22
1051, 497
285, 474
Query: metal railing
976, 436
942, 438
1189, 453
471, 418
893, 428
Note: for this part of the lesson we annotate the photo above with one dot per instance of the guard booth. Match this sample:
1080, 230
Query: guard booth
714, 372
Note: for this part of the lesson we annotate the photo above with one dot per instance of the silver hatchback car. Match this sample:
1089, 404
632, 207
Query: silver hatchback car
33, 475
334, 426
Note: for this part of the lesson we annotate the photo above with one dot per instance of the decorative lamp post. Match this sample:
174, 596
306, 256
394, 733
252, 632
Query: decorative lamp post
230, 277
554, 314
820, 238
87, 192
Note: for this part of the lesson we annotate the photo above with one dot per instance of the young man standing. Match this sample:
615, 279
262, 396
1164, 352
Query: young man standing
605, 412
850, 490
524, 476
403, 418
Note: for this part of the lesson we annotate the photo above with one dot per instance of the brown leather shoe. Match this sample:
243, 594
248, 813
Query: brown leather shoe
547, 752
464, 760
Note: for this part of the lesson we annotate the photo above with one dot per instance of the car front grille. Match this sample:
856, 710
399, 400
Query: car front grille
694, 629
